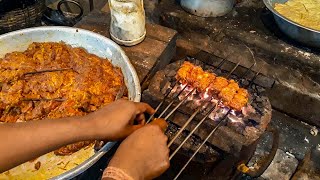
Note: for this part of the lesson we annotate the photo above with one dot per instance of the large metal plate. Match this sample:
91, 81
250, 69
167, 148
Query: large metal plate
300, 33
93, 43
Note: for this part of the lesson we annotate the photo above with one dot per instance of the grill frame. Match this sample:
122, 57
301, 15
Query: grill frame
254, 80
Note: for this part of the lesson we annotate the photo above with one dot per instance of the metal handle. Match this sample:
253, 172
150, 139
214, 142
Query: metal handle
72, 2
263, 163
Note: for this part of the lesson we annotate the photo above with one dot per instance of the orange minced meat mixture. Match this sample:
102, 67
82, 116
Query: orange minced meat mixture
82, 84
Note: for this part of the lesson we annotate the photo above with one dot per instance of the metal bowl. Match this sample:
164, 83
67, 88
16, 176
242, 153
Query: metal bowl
208, 8
93, 43
298, 32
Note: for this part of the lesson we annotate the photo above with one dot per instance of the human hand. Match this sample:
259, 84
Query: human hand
144, 154
116, 121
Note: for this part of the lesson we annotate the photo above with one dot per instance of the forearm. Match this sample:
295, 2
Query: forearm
21, 142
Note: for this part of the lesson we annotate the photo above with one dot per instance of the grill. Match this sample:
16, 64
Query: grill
200, 127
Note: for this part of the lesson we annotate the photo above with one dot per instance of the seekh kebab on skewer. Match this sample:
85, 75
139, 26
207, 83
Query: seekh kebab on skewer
228, 90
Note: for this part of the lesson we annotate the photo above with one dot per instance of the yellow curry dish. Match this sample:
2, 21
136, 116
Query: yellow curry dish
303, 12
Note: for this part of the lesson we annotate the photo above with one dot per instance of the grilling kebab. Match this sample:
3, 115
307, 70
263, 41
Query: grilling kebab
227, 90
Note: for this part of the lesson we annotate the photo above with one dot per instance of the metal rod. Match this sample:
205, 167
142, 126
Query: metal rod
220, 64
160, 104
169, 105
48, 70
254, 77
235, 67
247, 71
194, 154
184, 126
181, 102
44, 99
213, 109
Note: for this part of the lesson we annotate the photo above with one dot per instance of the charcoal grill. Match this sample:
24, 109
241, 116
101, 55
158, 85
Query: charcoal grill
190, 119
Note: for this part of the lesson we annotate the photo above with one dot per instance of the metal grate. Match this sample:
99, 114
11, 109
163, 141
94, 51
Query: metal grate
245, 80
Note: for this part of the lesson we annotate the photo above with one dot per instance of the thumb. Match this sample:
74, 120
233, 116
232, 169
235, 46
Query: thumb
161, 123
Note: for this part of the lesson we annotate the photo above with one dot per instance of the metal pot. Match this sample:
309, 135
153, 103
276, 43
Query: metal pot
208, 8
300, 33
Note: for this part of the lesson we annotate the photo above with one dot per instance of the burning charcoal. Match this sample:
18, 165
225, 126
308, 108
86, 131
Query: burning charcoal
236, 123
252, 122
254, 117
260, 89
244, 82
165, 86
218, 71
257, 108
258, 99
233, 77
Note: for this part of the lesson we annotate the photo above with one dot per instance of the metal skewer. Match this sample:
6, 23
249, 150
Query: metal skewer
44, 99
171, 103
47, 70
181, 102
213, 109
184, 126
173, 100
160, 104
220, 64
198, 149
235, 67
254, 77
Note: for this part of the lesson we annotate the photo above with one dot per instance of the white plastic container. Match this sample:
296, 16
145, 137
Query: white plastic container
127, 21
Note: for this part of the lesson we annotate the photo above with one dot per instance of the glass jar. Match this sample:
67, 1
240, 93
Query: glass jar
127, 21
